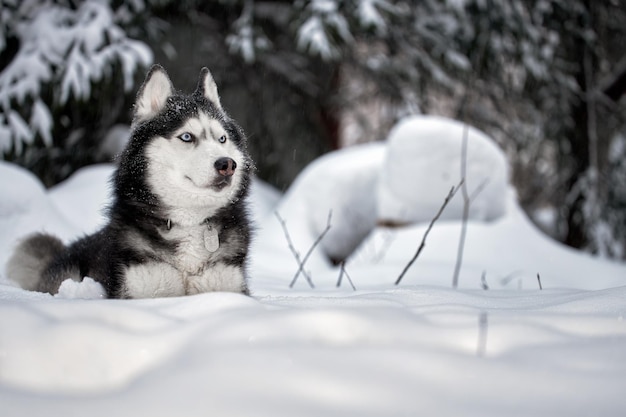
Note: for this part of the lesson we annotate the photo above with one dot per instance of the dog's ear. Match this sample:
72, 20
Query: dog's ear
152, 94
208, 88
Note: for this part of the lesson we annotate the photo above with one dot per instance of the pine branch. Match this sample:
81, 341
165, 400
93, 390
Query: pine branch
451, 194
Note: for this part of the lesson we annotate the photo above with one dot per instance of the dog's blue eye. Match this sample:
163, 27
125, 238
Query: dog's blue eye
222, 139
186, 137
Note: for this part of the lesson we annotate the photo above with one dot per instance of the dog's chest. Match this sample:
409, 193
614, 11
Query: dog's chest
195, 246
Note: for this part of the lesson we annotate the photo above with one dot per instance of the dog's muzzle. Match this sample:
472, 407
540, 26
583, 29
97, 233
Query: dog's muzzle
225, 168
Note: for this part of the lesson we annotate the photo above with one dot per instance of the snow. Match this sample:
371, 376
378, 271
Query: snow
90, 214
325, 17
428, 149
341, 184
71, 45
369, 16
87, 289
420, 348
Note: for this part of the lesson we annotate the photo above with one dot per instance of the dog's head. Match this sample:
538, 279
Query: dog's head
193, 155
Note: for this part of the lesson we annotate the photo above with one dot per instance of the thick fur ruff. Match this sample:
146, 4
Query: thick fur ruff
178, 223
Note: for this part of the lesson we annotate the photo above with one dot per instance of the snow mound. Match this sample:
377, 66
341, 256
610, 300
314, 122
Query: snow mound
507, 253
423, 162
403, 180
263, 199
407, 351
341, 183
90, 214
420, 348
20, 189
25, 208
87, 289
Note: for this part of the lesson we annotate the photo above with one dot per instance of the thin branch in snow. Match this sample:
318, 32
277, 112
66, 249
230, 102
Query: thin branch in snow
478, 189
343, 272
296, 254
451, 194
467, 201
539, 281
483, 281
310, 251
466, 205
302, 262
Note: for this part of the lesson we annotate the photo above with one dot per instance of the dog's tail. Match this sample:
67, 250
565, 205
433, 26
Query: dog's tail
30, 259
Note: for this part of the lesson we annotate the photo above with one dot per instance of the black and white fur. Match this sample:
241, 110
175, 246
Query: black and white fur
178, 223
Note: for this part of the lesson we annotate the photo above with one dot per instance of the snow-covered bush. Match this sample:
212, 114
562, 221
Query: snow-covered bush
342, 183
423, 162
403, 181
57, 54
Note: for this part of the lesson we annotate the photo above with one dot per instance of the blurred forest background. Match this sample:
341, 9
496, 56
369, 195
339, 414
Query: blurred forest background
545, 78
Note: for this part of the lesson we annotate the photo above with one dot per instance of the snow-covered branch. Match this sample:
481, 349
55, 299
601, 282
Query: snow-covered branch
66, 49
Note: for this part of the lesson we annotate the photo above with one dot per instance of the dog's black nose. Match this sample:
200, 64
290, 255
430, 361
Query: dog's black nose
225, 166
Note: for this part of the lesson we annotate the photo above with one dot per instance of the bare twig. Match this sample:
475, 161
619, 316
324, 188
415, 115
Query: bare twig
466, 206
539, 281
478, 189
296, 254
483, 280
342, 273
310, 251
302, 262
451, 194
467, 201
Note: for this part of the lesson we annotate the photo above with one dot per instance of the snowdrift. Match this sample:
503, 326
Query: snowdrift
424, 160
419, 348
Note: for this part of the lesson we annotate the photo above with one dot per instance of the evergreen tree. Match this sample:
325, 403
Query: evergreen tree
56, 56
545, 78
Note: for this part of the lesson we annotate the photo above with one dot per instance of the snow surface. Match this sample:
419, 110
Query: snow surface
428, 150
341, 184
420, 348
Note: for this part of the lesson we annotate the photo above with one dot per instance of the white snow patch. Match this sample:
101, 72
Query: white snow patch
86, 289
88, 215
263, 199
420, 348
340, 184
25, 208
424, 161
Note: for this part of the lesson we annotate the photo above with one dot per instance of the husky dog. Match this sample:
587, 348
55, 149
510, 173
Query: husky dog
178, 223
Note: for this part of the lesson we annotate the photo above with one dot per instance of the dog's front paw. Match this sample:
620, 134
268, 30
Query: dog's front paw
219, 277
152, 280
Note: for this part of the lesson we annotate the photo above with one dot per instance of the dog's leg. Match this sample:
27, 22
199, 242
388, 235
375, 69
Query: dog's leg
219, 277
152, 279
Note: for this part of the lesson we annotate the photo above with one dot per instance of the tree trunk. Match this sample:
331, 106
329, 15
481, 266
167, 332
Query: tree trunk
579, 141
